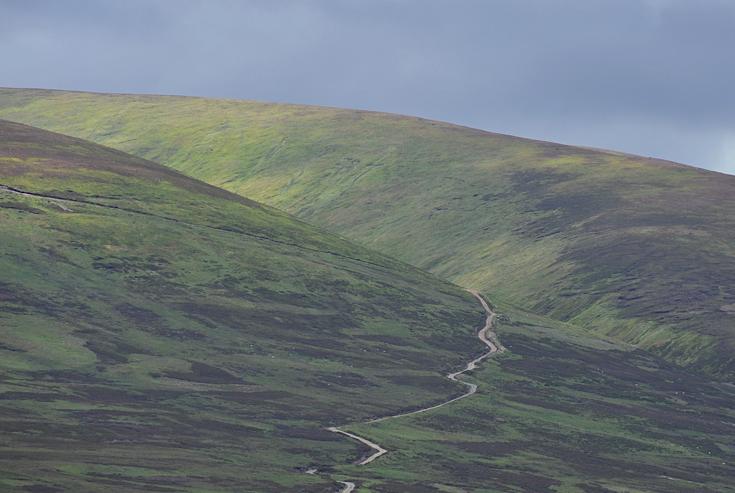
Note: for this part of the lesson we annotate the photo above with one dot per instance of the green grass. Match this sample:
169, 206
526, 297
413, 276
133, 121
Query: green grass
640, 249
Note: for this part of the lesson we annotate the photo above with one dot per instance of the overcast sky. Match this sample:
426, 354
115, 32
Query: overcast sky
651, 77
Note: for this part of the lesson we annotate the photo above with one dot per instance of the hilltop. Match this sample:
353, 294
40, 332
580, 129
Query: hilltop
636, 248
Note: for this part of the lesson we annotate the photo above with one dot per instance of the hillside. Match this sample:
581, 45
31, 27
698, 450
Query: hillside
639, 249
157, 331
160, 334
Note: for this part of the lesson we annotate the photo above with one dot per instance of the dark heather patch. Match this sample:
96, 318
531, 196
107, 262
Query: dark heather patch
42, 488
16, 299
246, 397
593, 488
137, 313
204, 373
5, 347
131, 264
317, 434
107, 353
499, 477
535, 183
387, 339
344, 379
19, 206
31, 396
398, 487
493, 449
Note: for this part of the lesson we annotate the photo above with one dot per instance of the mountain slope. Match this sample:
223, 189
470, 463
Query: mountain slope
159, 334
639, 249
561, 412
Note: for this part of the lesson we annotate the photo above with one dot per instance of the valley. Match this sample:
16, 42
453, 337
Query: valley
160, 333
631, 247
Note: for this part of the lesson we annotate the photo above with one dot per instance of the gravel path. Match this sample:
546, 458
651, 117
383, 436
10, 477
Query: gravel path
486, 335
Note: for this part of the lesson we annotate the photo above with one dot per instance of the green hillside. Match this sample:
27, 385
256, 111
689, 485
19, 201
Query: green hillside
563, 413
639, 249
159, 334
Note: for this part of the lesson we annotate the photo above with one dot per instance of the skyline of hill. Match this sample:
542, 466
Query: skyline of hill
639, 249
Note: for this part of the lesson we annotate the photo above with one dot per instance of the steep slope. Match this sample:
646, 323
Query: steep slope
157, 333
640, 249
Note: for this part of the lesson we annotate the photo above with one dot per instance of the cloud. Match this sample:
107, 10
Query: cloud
651, 76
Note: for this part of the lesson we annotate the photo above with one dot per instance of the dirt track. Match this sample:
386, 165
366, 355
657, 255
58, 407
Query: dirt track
486, 335
378, 449
349, 487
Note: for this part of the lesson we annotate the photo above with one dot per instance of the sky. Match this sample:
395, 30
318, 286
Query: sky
649, 77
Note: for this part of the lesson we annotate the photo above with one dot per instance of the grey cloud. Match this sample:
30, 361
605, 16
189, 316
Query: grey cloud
652, 77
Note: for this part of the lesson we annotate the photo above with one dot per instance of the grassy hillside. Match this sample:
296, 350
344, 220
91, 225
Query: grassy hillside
639, 249
159, 334
561, 412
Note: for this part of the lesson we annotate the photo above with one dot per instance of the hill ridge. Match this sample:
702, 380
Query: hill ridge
633, 247
388, 114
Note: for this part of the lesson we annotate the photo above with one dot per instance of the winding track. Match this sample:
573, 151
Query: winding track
349, 487
486, 335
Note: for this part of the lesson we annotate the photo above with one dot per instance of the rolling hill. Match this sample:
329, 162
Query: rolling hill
635, 248
161, 334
